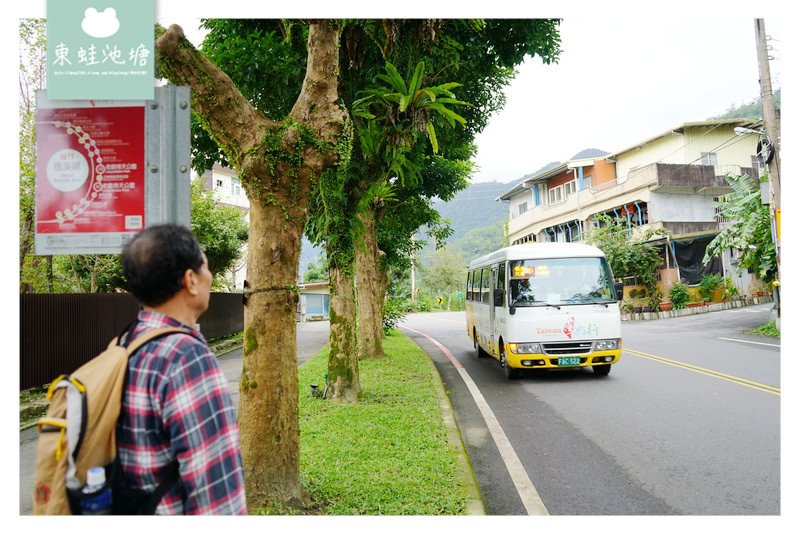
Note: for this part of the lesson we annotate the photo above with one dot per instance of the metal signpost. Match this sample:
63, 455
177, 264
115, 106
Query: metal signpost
106, 169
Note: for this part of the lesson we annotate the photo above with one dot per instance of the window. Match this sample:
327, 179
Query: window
485, 283
708, 158
469, 285
587, 181
581, 280
219, 183
501, 280
523, 207
555, 195
570, 188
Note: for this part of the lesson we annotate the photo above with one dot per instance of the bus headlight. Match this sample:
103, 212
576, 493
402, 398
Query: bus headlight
607, 344
525, 347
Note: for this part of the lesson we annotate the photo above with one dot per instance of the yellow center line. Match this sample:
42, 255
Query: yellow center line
707, 372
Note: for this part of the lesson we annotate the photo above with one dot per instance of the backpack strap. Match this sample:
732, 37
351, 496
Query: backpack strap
148, 507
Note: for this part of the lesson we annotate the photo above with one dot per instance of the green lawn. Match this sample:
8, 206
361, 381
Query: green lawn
387, 455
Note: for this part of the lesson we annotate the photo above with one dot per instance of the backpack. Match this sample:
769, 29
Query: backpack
78, 432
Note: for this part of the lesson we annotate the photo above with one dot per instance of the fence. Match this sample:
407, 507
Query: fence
60, 332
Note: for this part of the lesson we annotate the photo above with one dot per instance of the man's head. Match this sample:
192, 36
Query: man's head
163, 262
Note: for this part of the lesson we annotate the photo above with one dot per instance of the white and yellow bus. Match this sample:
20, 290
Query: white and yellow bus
545, 306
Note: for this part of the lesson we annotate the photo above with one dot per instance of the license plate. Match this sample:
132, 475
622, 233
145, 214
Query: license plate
569, 361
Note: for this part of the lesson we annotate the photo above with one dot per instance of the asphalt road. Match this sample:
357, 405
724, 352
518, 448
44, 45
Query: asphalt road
688, 422
311, 337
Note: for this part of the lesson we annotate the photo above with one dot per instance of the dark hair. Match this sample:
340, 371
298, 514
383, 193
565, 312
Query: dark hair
154, 261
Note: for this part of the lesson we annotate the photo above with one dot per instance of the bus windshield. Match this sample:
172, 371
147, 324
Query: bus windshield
574, 280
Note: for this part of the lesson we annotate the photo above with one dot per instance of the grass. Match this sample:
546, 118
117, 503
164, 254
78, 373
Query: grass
386, 455
768, 330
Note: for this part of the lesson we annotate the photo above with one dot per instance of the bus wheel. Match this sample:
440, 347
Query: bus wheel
479, 352
510, 373
601, 370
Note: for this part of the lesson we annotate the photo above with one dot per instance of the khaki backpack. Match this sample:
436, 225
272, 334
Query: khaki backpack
78, 432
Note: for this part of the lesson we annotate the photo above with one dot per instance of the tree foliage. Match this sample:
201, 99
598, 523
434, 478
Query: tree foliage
628, 254
221, 229
750, 230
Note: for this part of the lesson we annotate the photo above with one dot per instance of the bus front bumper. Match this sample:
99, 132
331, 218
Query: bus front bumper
527, 360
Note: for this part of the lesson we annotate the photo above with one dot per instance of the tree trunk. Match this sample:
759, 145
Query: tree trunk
268, 389
372, 283
277, 163
343, 380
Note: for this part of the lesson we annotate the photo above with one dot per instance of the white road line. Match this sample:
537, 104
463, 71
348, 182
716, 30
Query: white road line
522, 482
750, 342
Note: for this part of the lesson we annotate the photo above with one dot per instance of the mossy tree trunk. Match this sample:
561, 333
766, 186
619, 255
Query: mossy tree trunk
279, 164
372, 283
343, 375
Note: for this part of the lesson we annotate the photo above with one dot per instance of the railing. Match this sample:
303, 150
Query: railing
60, 332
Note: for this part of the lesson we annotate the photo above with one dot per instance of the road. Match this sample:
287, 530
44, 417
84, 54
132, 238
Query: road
311, 337
688, 422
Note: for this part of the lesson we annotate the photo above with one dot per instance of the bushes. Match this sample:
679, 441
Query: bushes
709, 284
679, 294
394, 310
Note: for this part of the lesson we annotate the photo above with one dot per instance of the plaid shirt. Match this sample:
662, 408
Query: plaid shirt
177, 405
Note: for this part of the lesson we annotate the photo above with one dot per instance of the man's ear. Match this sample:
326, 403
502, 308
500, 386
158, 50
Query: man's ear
190, 281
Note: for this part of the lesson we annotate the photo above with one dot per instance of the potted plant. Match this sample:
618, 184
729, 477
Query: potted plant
708, 284
730, 291
655, 300
679, 294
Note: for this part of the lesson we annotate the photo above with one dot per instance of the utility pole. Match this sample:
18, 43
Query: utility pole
772, 129
413, 277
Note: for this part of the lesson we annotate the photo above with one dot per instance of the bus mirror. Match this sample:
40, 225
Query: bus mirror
498, 297
618, 290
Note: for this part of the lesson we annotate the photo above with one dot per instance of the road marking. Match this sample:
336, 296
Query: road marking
712, 373
750, 342
522, 482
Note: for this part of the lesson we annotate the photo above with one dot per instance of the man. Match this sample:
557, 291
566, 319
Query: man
177, 407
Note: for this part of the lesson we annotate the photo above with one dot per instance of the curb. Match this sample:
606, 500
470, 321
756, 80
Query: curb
475, 505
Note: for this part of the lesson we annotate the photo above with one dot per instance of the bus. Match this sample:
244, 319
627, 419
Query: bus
545, 306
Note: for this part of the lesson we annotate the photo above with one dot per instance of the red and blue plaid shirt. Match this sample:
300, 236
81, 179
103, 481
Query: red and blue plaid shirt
177, 406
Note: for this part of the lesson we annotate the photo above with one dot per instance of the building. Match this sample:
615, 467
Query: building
670, 180
226, 184
315, 301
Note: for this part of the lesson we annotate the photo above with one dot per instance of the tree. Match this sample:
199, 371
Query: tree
221, 229
750, 230
32, 69
628, 254
480, 56
279, 162
445, 275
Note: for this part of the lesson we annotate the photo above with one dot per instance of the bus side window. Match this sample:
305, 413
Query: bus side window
501, 282
469, 285
486, 283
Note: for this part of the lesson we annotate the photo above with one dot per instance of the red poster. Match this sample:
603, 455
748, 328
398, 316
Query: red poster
90, 170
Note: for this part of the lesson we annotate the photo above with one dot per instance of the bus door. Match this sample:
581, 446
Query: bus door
492, 285
498, 302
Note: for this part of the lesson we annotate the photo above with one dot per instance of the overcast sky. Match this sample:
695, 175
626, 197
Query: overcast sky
618, 81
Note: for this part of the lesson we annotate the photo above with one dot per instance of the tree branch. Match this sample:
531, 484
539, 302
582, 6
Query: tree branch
231, 119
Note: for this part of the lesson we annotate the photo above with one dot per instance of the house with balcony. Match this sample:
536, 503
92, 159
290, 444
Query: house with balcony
670, 180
